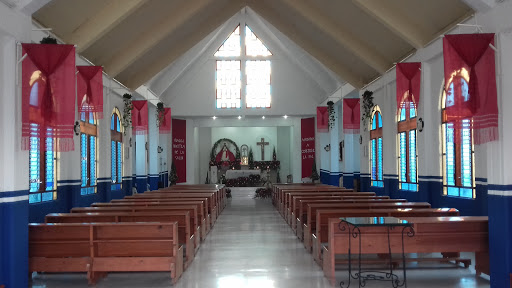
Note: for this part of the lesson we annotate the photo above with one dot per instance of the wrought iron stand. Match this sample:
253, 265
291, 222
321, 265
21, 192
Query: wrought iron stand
354, 233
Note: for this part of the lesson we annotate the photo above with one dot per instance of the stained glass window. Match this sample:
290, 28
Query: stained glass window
88, 152
407, 158
458, 156
258, 83
229, 84
376, 160
116, 163
42, 167
249, 70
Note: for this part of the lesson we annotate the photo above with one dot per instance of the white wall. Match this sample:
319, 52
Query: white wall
250, 136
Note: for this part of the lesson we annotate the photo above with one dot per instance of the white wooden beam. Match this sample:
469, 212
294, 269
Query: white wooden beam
386, 13
151, 69
103, 22
146, 41
291, 32
341, 35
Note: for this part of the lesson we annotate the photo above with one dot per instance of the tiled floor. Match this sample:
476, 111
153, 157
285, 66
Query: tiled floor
252, 247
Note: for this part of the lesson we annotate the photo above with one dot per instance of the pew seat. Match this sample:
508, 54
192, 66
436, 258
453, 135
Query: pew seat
100, 248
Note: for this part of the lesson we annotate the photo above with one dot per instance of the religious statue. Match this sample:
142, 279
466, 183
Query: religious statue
225, 156
245, 158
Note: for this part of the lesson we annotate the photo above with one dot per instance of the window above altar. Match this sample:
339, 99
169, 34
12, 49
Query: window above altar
243, 62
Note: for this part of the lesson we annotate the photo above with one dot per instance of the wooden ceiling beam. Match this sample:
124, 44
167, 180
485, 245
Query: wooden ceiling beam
103, 22
341, 35
297, 36
146, 41
151, 69
402, 25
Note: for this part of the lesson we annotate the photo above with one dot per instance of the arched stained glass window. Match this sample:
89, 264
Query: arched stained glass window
458, 148
407, 155
376, 148
88, 153
116, 138
236, 70
42, 155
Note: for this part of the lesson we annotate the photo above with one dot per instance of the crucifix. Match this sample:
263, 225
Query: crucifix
262, 144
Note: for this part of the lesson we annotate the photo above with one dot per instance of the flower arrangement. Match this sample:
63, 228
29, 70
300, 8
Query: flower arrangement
127, 112
160, 113
367, 107
48, 40
263, 193
332, 114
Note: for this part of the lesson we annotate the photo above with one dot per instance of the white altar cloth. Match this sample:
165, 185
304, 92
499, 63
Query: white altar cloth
233, 174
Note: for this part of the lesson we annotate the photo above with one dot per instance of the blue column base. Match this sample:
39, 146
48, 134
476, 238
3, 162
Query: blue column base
14, 241
348, 181
500, 240
153, 181
141, 183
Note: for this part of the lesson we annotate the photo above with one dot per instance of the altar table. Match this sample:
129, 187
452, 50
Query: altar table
233, 174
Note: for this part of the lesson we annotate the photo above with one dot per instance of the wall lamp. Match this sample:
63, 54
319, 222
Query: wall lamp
160, 149
420, 124
327, 147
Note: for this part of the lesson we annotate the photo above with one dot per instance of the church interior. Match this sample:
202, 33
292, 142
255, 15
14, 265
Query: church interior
255, 143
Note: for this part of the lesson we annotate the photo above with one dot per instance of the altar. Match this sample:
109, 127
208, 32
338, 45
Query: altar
233, 174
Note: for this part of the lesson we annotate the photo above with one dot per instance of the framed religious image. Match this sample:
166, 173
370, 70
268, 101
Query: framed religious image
244, 149
342, 145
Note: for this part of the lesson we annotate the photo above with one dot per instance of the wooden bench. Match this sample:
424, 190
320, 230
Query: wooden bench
185, 228
218, 195
319, 224
211, 202
290, 198
205, 224
284, 197
99, 248
192, 209
301, 205
432, 235
305, 220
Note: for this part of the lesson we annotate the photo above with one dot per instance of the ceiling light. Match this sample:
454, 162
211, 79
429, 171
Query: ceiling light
214, 117
262, 117
285, 116
239, 117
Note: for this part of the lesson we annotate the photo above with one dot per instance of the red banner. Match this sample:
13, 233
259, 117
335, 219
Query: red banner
165, 126
179, 148
89, 90
48, 89
474, 97
140, 117
351, 116
408, 85
307, 134
322, 119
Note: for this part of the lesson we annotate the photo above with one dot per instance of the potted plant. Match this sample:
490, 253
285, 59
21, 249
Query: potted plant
251, 159
367, 107
173, 175
127, 112
314, 174
160, 113
332, 114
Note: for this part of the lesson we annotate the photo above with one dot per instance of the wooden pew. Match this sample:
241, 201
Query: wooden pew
307, 218
169, 200
99, 248
301, 205
185, 228
319, 224
432, 235
195, 219
201, 211
281, 192
290, 198
212, 204
219, 195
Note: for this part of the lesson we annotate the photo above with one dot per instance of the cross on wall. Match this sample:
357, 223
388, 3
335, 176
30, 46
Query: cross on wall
262, 144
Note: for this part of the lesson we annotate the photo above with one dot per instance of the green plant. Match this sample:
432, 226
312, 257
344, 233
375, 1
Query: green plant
48, 40
160, 113
332, 114
173, 175
367, 107
127, 111
251, 159
314, 174
274, 155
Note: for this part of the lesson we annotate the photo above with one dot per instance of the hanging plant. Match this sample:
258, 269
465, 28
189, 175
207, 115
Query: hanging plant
367, 107
160, 113
48, 40
127, 111
332, 114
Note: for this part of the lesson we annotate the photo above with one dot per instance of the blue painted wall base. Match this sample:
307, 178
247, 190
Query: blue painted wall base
500, 240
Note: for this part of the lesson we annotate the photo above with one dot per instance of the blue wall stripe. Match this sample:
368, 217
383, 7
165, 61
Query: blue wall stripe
13, 193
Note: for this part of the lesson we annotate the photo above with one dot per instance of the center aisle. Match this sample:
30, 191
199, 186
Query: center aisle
252, 246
